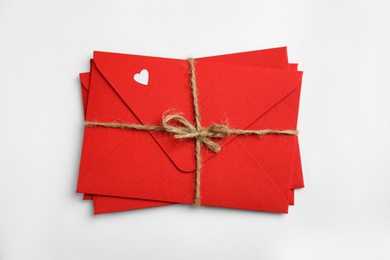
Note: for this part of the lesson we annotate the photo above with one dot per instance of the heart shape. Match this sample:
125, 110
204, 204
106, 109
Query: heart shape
142, 77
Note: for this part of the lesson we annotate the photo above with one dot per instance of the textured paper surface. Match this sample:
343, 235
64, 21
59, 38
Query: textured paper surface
280, 101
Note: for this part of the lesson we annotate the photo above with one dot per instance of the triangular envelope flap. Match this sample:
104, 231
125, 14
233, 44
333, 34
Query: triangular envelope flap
239, 95
167, 90
84, 79
227, 93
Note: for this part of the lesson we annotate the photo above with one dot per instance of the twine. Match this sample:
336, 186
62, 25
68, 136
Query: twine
186, 130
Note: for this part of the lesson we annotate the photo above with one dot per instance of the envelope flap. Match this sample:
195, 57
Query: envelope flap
240, 95
165, 89
85, 79
229, 93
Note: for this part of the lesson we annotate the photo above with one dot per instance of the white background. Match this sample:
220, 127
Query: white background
343, 48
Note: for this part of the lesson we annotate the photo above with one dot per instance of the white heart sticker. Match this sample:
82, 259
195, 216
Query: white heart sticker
142, 77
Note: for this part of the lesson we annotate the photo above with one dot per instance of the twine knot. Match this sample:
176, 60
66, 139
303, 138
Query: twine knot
186, 130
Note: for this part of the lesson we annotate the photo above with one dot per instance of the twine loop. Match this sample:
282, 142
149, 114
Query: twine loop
186, 130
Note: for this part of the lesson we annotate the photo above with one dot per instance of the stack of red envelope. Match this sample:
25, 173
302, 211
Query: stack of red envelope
123, 169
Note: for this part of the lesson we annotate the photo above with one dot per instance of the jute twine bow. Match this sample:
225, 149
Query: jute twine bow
184, 130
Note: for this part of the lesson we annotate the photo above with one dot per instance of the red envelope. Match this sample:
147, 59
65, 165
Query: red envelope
112, 204
105, 204
244, 146
84, 82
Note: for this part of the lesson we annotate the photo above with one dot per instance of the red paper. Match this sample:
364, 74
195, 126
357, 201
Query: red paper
259, 167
